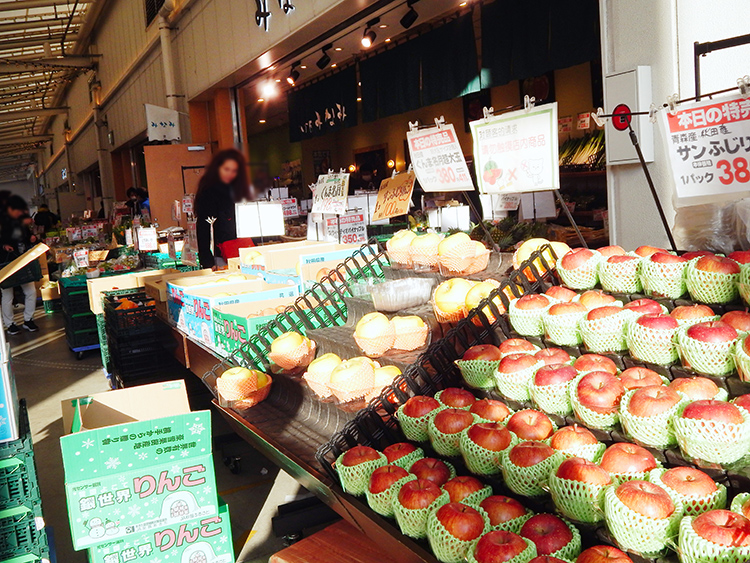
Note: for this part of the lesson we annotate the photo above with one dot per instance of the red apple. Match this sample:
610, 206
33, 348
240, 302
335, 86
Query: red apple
745, 508
658, 321
644, 306
666, 258
417, 494
560, 293
517, 346
594, 362
532, 301
490, 435
461, 487
490, 409
397, 451
619, 259
712, 331
453, 421
584, 471
723, 527
460, 521
600, 391
486, 352
527, 454
646, 499
431, 469
608, 251
418, 406
552, 356
383, 477
572, 437
742, 401
638, 377
594, 298
456, 398
501, 509
554, 374
359, 454
623, 457
716, 411
566, 309
517, 362
689, 482
603, 312
718, 264
576, 258
652, 400
645, 251
498, 546
696, 388
740, 256
692, 312
603, 554
696, 254
738, 320
548, 532
529, 424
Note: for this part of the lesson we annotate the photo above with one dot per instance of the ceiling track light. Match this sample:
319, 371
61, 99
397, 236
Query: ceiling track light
411, 16
369, 36
325, 60
293, 74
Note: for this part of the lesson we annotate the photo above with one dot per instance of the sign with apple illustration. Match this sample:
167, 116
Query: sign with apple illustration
517, 152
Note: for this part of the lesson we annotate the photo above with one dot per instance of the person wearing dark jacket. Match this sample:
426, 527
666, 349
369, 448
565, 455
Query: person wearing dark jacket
223, 184
45, 218
16, 238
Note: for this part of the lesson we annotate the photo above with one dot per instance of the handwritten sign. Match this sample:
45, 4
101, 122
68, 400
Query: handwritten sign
290, 208
81, 257
347, 229
394, 196
517, 151
330, 194
565, 124
147, 239
438, 160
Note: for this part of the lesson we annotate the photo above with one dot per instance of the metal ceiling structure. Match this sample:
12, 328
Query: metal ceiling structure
40, 53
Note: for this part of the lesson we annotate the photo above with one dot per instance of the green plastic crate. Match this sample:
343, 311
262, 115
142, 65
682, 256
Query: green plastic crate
52, 306
22, 532
18, 481
23, 445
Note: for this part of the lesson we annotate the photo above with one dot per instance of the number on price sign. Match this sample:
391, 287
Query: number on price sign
290, 208
734, 171
347, 229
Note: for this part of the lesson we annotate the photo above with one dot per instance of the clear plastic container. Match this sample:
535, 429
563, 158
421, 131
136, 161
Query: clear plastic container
396, 295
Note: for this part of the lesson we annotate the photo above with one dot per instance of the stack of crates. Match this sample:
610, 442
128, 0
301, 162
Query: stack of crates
23, 537
80, 322
162, 261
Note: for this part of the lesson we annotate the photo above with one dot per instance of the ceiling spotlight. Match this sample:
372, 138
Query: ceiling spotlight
268, 90
303, 67
391, 163
294, 74
369, 37
411, 16
352, 168
338, 49
325, 59
261, 121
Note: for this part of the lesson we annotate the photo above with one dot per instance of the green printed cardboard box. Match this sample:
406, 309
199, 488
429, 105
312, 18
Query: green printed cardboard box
127, 475
206, 540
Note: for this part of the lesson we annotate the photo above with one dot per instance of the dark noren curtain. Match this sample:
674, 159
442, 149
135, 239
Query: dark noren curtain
390, 82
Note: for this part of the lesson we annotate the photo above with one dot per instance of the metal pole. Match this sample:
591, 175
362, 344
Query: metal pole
495, 247
570, 218
697, 66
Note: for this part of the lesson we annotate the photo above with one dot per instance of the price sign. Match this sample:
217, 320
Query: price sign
171, 249
708, 148
329, 195
351, 228
129, 237
89, 231
73, 233
188, 201
584, 121
565, 124
394, 197
290, 208
517, 151
81, 257
176, 211
438, 160
508, 202
147, 239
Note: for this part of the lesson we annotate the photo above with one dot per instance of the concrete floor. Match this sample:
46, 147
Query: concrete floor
47, 372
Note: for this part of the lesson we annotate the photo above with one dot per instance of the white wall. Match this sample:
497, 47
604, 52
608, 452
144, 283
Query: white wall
660, 33
25, 188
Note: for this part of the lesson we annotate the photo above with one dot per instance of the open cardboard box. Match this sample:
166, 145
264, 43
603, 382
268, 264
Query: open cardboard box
234, 324
127, 473
278, 256
132, 280
156, 288
313, 265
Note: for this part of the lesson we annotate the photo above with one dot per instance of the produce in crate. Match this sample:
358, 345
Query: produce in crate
595, 298
546, 559
505, 513
414, 415
526, 314
415, 501
627, 462
717, 535
499, 546
445, 429
481, 445
527, 248
553, 356
638, 377
456, 398
552, 536
577, 441
490, 410
514, 374
742, 358
614, 250
647, 415
517, 346
603, 554
479, 364
561, 294
577, 489
410, 332
529, 424
291, 350
355, 466
596, 397
435, 470
561, 323
696, 490
693, 314
318, 374
466, 489
651, 338
707, 347
663, 275
374, 334
424, 250
713, 431
712, 279
399, 247
449, 300
526, 467
739, 320
579, 268
402, 454
549, 388
645, 251
480, 292
620, 273
594, 362
698, 388
452, 529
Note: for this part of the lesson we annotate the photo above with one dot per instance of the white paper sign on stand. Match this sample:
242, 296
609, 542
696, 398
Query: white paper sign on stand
330, 193
347, 229
708, 144
259, 219
148, 240
447, 218
517, 151
438, 160
81, 257
290, 207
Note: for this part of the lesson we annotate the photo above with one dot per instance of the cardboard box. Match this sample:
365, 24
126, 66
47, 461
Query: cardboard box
278, 256
235, 324
156, 288
208, 540
50, 292
233, 264
312, 263
191, 307
127, 474
132, 280
63, 253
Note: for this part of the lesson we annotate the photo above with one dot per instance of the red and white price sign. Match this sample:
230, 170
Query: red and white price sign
89, 231
81, 257
584, 121
188, 201
73, 233
709, 148
290, 208
147, 239
347, 229
438, 160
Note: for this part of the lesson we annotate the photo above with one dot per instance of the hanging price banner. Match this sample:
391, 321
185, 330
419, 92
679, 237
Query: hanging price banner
438, 160
330, 194
347, 229
517, 151
709, 148
394, 196
290, 208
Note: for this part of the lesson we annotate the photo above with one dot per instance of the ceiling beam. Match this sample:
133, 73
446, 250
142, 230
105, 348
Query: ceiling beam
44, 64
31, 4
26, 140
37, 24
40, 40
14, 115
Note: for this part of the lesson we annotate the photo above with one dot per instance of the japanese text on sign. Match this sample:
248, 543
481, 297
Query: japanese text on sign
81, 257
517, 151
347, 229
290, 208
394, 197
709, 148
330, 194
565, 124
438, 160
147, 239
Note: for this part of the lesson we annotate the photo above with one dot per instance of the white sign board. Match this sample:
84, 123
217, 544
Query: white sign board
290, 207
81, 257
147, 239
517, 151
708, 143
329, 195
347, 229
259, 219
438, 160
163, 124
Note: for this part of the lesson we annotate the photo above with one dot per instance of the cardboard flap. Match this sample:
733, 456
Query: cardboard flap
24, 260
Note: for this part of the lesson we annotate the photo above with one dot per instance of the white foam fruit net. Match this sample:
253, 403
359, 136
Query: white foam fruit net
695, 549
415, 429
585, 276
738, 502
591, 452
527, 322
590, 418
479, 374
447, 445
742, 360
581, 502
516, 385
654, 431
445, 546
524, 557
408, 460
714, 442
710, 287
440, 394
382, 502
663, 280
620, 277
564, 330
692, 505
514, 525
653, 345
480, 460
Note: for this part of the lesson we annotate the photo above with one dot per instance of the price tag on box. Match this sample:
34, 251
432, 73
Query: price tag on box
290, 208
347, 229
81, 257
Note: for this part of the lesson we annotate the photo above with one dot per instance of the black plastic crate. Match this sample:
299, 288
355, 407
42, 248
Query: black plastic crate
82, 338
80, 321
18, 481
130, 321
75, 299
